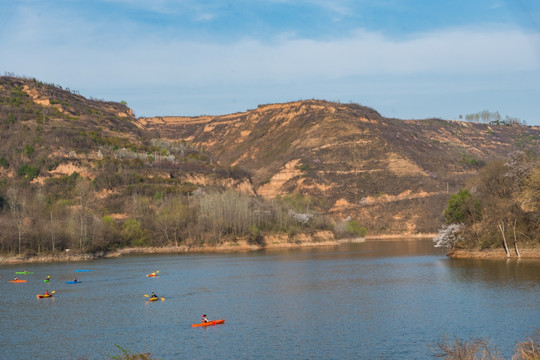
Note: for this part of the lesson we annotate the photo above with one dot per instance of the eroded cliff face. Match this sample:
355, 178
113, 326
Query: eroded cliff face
391, 175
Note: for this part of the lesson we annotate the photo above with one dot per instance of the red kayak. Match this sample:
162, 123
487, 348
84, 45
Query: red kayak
213, 322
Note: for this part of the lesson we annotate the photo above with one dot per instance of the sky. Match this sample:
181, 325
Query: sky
407, 59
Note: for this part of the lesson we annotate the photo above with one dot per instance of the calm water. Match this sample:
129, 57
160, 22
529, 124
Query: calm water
386, 300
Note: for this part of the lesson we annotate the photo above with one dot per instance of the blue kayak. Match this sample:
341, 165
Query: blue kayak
73, 282
83, 270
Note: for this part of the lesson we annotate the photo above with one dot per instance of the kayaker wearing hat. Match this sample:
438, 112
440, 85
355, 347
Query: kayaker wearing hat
205, 319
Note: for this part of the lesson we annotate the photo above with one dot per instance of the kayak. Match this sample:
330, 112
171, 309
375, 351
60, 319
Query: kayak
153, 299
24, 272
17, 281
213, 322
73, 282
41, 296
83, 270
152, 275
46, 280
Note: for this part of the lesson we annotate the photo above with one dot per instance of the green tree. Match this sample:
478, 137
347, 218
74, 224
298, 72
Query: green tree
133, 233
28, 171
4, 163
354, 228
462, 208
28, 150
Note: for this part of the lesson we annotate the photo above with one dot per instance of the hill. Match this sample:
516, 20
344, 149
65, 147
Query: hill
393, 176
85, 174
55, 132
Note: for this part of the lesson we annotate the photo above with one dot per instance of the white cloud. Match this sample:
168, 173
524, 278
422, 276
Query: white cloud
496, 5
148, 59
453, 51
81, 54
156, 6
205, 17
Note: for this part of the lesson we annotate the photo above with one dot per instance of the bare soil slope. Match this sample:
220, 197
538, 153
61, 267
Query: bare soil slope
393, 176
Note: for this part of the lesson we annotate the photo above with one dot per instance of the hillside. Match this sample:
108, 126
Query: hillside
82, 174
55, 132
87, 174
393, 176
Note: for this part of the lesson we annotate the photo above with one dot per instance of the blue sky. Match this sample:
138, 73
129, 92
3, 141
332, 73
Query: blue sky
409, 59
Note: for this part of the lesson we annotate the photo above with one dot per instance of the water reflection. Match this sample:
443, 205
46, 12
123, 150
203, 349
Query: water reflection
514, 273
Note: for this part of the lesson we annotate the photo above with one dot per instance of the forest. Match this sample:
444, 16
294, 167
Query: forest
500, 207
37, 219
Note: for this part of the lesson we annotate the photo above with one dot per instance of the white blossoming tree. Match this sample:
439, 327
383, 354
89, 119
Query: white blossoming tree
448, 235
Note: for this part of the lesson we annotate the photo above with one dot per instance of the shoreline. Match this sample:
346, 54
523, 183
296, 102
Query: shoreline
273, 242
227, 247
404, 237
276, 241
496, 254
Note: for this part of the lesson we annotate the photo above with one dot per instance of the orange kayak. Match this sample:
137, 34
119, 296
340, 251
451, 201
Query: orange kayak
40, 296
213, 322
17, 281
151, 275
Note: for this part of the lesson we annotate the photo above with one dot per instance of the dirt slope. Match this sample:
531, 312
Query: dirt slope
391, 175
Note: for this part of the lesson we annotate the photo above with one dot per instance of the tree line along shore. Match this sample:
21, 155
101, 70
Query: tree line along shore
496, 216
498, 213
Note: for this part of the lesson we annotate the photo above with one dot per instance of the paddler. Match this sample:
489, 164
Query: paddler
153, 295
48, 278
205, 319
74, 279
47, 292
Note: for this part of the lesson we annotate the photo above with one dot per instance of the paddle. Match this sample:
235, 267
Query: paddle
162, 299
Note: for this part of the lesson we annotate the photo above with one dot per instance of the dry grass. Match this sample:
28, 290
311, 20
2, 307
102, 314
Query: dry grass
528, 349
481, 349
478, 349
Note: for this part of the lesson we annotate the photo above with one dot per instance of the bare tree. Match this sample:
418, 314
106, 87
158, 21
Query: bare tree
172, 219
500, 225
17, 207
84, 191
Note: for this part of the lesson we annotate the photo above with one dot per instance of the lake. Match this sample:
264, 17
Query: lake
372, 300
